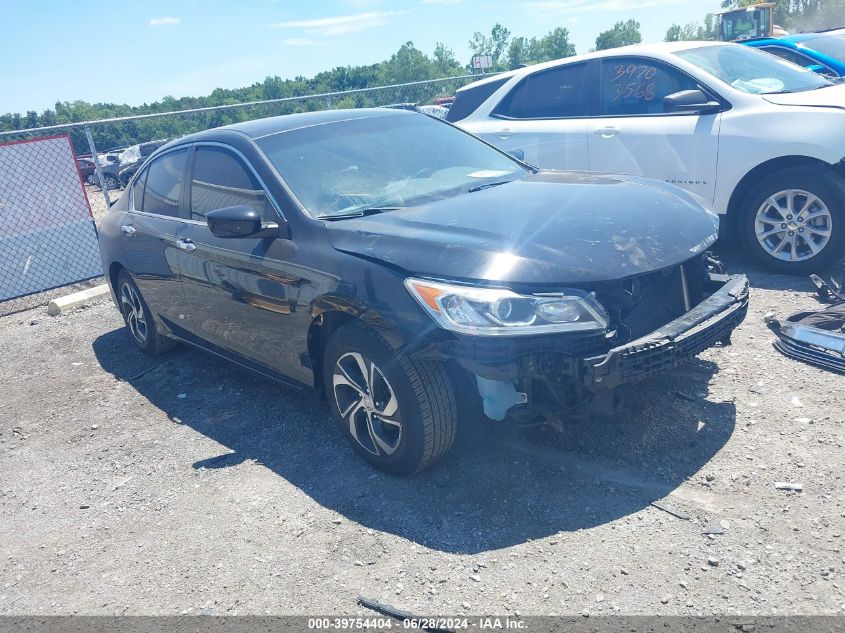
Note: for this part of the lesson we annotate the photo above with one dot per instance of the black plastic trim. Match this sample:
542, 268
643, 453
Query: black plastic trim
711, 321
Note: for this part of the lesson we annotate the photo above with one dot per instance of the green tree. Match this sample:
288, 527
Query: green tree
407, 64
692, 31
674, 33
621, 34
494, 45
444, 61
556, 44
519, 53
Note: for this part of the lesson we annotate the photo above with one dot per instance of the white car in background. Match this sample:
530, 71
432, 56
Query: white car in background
760, 139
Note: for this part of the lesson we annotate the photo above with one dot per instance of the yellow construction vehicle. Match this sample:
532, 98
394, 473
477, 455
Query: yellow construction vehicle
747, 22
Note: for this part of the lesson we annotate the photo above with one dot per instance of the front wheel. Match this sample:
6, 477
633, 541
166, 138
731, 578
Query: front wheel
793, 221
399, 414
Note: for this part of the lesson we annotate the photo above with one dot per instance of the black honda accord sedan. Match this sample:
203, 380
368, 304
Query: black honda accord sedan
402, 267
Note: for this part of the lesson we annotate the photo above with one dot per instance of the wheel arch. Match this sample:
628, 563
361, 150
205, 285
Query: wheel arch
115, 268
114, 272
762, 170
332, 313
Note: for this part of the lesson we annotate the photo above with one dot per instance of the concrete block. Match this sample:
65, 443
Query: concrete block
63, 305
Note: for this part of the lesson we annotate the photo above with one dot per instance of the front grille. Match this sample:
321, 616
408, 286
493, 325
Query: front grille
490, 350
640, 305
636, 306
644, 362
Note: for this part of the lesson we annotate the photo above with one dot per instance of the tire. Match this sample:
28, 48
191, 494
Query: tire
138, 318
417, 404
111, 182
776, 230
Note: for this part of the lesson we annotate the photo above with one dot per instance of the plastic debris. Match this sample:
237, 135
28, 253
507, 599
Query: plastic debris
714, 528
684, 396
670, 510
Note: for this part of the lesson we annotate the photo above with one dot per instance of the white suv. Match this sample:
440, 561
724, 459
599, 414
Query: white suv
760, 139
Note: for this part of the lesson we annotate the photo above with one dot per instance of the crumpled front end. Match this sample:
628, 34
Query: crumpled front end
657, 321
710, 322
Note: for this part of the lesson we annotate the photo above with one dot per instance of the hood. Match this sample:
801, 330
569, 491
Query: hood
550, 228
830, 97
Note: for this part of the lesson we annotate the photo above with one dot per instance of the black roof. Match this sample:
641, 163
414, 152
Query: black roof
274, 125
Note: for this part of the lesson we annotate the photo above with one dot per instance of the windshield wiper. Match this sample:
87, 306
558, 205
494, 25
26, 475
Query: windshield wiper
357, 213
487, 185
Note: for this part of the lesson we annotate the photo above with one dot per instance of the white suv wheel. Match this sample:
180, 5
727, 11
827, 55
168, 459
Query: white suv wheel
793, 225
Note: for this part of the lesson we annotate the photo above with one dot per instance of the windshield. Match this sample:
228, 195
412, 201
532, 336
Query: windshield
383, 161
830, 45
752, 71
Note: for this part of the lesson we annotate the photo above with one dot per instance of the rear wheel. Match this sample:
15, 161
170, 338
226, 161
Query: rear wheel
138, 318
793, 221
399, 414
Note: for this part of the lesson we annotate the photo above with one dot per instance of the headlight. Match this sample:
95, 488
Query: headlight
496, 311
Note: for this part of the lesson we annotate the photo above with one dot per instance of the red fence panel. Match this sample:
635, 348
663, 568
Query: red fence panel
48, 238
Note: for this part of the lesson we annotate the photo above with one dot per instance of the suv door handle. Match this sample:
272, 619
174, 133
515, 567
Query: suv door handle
127, 229
186, 245
608, 132
504, 133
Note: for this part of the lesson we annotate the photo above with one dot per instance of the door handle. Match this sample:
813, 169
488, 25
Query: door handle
608, 132
127, 229
186, 245
505, 133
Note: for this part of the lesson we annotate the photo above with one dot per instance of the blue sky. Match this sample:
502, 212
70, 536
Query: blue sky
125, 51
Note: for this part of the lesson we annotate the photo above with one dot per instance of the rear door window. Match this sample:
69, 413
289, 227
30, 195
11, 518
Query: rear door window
220, 179
635, 86
467, 101
549, 94
164, 179
138, 191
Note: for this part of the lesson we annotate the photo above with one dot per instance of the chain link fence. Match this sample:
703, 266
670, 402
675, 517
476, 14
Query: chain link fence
48, 238
107, 154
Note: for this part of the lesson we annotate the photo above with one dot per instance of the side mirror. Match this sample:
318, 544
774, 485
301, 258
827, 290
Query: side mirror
518, 154
690, 101
241, 221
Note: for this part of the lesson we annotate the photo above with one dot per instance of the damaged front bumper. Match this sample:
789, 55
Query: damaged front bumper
553, 376
710, 322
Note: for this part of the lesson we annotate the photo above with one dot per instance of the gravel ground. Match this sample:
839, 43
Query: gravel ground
197, 487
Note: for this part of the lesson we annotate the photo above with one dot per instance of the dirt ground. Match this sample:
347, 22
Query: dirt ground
183, 484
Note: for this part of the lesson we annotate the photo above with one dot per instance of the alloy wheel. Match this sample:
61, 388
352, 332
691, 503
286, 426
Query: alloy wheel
133, 310
793, 225
367, 403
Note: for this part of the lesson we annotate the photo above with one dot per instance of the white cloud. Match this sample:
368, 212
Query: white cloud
361, 4
165, 21
339, 24
299, 41
581, 6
